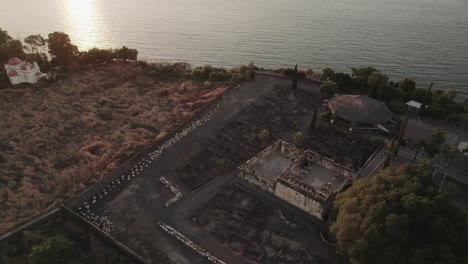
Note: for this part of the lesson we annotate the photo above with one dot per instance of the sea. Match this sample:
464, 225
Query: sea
426, 40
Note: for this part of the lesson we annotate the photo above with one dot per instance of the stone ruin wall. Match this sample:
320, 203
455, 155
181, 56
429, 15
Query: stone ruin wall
250, 176
287, 193
299, 200
328, 163
256, 180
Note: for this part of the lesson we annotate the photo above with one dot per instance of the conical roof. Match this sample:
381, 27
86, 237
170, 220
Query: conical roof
360, 109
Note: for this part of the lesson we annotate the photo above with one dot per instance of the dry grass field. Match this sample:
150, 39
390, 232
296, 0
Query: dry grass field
60, 138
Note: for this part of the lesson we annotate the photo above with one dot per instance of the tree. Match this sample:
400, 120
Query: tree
398, 216
325, 116
14, 48
342, 80
9, 47
126, 54
297, 137
61, 49
264, 135
377, 82
407, 85
450, 94
294, 81
55, 250
4, 37
328, 74
401, 132
433, 146
361, 76
329, 88
36, 44
426, 98
389, 153
313, 124
448, 153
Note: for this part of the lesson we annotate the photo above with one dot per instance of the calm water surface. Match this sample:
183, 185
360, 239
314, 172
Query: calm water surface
426, 40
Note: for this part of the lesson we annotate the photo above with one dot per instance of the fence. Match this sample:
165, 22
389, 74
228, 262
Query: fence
107, 238
37, 220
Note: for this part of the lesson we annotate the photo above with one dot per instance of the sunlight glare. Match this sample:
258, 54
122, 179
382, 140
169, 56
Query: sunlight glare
81, 16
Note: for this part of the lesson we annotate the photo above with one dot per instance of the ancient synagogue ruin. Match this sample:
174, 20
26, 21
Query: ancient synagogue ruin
302, 178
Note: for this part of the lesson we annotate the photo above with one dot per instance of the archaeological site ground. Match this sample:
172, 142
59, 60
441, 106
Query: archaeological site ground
184, 199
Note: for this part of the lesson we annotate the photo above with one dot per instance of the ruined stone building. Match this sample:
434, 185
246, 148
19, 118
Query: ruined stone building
302, 178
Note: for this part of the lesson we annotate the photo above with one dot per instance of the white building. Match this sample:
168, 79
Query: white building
23, 72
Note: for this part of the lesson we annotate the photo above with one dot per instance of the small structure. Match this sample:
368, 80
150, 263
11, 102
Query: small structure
360, 112
413, 106
302, 178
23, 72
462, 147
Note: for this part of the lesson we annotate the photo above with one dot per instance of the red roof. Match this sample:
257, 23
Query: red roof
12, 73
360, 109
14, 61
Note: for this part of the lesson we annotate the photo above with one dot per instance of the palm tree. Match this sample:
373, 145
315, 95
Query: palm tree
403, 124
388, 154
297, 137
313, 124
264, 135
294, 83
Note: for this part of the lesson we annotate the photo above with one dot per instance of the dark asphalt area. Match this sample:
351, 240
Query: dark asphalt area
136, 207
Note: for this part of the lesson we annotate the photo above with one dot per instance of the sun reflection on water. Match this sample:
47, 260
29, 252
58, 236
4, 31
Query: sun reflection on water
81, 17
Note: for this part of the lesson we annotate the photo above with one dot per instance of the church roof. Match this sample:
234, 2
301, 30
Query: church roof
14, 61
360, 109
12, 73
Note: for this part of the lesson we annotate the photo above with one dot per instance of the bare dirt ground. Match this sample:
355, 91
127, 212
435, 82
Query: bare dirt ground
58, 139
252, 228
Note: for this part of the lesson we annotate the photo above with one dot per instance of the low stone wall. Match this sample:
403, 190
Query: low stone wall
189, 243
329, 163
298, 199
106, 237
38, 220
177, 193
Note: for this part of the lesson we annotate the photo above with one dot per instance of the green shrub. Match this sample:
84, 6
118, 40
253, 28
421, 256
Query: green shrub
165, 71
219, 76
329, 88
202, 73
297, 137
96, 55
326, 116
55, 250
288, 72
398, 107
